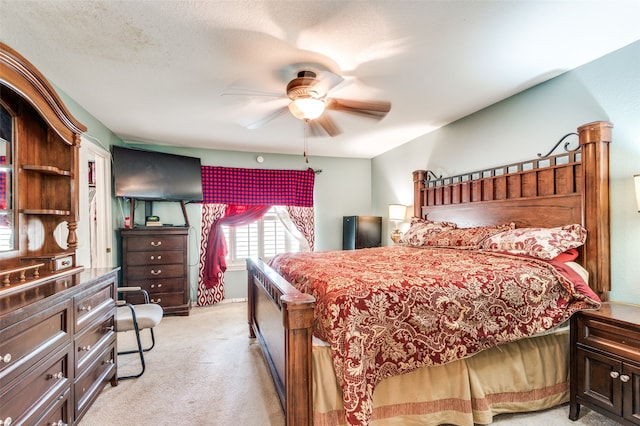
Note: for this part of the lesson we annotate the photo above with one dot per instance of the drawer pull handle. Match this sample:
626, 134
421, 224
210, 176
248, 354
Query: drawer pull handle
156, 300
85, 348
58, 423
624, 378
156, 243
154, 272
56, 376
614, 374
156, 258
109, 328
154, 286
6, 422
6, 359
85, 308
108, 361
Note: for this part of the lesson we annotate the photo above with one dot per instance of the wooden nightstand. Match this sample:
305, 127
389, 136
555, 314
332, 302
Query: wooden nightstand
605, 362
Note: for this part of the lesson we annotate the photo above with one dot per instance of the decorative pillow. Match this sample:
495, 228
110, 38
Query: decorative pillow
422, 230
567, 256
467, 238
543, 243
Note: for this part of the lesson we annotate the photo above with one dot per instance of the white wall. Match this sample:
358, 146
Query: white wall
519, 127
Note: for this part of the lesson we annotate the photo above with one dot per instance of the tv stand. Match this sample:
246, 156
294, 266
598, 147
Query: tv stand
148, 211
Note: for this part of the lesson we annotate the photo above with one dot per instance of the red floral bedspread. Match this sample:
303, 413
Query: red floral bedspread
389, 310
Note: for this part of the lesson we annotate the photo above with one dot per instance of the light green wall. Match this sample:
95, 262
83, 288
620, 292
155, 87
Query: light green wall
343, 188
519, 127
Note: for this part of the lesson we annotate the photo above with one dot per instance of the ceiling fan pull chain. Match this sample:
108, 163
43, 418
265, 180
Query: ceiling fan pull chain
306, 144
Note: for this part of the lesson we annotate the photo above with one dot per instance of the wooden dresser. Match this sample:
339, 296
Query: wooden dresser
57, 347
156, 259
605, 362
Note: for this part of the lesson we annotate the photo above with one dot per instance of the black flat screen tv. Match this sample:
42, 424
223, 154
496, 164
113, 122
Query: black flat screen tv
155, 176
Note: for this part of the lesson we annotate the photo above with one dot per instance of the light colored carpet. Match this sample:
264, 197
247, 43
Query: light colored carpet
206, 371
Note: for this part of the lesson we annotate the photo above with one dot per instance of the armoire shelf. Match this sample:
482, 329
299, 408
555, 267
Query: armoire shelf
46, 212
47, 170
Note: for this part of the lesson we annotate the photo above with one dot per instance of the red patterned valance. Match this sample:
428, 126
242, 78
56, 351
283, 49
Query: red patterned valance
228, 185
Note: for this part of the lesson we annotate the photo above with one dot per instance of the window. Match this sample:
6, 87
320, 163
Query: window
265, 237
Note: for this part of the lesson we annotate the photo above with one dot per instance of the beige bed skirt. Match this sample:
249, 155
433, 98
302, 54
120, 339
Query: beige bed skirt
527, 375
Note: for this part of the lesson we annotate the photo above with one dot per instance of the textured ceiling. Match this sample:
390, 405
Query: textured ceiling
155, 71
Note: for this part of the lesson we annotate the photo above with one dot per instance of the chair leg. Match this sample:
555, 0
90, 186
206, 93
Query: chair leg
140, 351
153, 343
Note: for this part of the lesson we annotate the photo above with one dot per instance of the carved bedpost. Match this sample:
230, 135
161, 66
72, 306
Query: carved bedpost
594, 140
418, 193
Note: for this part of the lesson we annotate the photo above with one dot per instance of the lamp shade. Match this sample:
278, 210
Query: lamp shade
397, 212
636, 181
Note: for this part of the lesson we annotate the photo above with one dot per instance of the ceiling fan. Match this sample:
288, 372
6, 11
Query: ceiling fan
309, 101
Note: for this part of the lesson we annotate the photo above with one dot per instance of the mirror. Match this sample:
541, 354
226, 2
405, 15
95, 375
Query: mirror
7, 214
61, 233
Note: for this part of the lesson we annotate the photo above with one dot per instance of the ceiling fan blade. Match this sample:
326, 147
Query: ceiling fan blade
324, 123
267, 118
326, 81
245, 87
373, 109
246, 91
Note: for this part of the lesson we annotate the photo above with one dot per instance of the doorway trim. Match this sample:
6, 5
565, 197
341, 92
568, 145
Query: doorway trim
100, 256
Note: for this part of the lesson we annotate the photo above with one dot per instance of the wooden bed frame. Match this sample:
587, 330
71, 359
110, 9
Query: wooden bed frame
572, 187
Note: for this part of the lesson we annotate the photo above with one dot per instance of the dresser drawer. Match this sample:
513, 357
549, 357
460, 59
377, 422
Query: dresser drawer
154, 272
608, 337
34, 393
158, 286
155, 257
165, 300
93, 341
87, 386
91, 305
156, 242
29, 340
60, 412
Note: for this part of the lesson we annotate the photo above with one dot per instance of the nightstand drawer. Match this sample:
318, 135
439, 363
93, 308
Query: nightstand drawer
608, 337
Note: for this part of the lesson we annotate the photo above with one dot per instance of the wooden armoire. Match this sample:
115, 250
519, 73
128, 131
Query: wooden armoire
57, 336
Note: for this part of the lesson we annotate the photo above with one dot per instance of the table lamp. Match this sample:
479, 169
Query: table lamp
397, 214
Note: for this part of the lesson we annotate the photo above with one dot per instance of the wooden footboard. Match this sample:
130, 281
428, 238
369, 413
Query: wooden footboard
281, 318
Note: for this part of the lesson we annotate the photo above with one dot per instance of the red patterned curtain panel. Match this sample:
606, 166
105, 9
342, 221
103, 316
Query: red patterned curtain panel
211, 213
234, 215
250, 187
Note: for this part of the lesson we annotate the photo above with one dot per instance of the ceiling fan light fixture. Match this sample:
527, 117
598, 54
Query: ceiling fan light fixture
307, 108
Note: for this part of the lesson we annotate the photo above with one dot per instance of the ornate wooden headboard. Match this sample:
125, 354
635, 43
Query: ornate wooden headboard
572, 187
